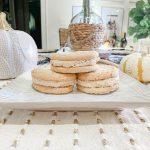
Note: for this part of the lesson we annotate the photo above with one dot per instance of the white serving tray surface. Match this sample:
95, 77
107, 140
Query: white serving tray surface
20, 94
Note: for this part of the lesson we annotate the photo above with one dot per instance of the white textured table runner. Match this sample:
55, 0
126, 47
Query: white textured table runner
27, 130
93, 130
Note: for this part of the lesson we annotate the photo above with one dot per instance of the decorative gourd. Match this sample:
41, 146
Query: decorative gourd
18, 51
137, 66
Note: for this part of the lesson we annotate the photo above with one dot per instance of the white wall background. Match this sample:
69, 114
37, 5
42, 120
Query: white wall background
58, 13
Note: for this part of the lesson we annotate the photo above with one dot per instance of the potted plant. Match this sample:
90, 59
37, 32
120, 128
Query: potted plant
140, 15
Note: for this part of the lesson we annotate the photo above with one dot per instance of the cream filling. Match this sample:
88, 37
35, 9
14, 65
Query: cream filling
53, 83
80, 63
100, 83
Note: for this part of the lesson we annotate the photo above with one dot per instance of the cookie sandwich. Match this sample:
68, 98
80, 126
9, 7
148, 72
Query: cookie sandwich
46, 81
103, 81
74, 62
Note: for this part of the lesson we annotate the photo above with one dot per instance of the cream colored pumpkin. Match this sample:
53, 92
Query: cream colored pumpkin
18, 51
137, 66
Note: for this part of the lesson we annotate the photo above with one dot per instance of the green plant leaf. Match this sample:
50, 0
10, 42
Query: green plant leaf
139, 13
137, 27
131, 30
132, 12
147, 11
141, 16
137, 19
142, 31
147, 16
145, 23
141, 36
140, 4
147, 6
136, 13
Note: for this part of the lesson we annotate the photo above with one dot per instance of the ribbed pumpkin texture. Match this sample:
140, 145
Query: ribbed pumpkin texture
137, 66
18, 51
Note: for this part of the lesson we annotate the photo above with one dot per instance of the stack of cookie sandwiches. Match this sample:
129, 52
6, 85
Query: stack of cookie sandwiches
76, 68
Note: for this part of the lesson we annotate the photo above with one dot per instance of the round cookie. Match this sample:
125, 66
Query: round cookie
98, 91
102, 72
48, 75
51, 90
74, 69
74, 56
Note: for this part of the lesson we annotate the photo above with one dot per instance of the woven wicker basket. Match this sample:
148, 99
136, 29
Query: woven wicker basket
63, 36
86, 36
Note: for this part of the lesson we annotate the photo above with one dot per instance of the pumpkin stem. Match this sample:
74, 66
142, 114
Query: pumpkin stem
3, 22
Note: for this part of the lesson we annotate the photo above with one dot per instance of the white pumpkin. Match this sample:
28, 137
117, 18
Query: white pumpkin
18, 51
137, 66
